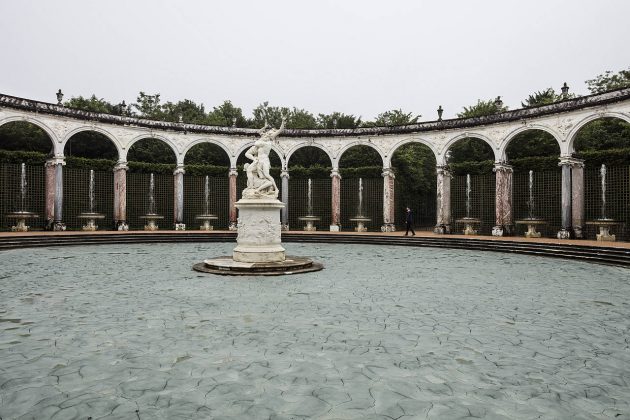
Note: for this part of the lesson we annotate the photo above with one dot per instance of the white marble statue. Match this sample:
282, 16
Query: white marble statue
260, 184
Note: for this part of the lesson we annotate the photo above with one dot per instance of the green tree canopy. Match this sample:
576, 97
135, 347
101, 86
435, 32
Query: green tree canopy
392, 118
338, 120
92, 104
482, 109
609, 81
227, 115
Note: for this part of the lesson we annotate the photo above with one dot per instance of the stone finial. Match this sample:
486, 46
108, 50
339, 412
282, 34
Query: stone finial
440, 111
565, 90
59, 97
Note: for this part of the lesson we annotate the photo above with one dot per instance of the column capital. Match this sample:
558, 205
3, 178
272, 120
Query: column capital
121, 165
179, 170
56, 160
388, 172
284, 173
502, 167
443, 170
571, 161
334, 173
233, 172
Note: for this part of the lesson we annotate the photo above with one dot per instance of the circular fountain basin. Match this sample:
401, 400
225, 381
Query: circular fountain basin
603, 222
151, 217
310, 218
22, 215
91, 216
533, 221
206, 217
470, 220
128, 331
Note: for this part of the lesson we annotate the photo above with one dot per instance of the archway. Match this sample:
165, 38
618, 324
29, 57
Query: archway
361, 165
474, 157
89, 151
23, 142
606, 141
537, 151
309, 163
414, 167
145, 157
207, 166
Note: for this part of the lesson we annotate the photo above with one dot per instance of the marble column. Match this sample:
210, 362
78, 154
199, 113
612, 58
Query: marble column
284, 212
566, 211
232, 201
503, 200
178, 197
335, 223
577, 198
443, 201
58, 163
389, 206
120, 196
569, 166
50, 193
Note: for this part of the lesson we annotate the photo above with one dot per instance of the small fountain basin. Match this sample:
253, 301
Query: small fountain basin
604, 225
310, 222
531, 223
469, 224
206, 219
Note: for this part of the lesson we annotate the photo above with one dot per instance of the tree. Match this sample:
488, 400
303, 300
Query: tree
92, 104
149, 106
338, 120
226, 115
609, 81
545, 97
190, 112
302, 119
482, 108
392, 118
270, 114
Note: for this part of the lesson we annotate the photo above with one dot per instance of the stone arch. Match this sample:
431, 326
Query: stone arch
170, 143
358, 143
506, 142
593, 117
246, 146
403, 142
54, 139
110, 137
210, 141
307, 144
442, 157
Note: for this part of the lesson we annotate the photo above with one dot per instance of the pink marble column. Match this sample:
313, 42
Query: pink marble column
577, 197
120, 196
335, 223
389, 206
50, 192
503, 200
178, 198
443, 201
232, 203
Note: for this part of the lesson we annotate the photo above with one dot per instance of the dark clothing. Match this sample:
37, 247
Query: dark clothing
409, 220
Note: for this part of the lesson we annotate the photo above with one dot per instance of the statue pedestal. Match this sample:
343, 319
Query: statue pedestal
258, 239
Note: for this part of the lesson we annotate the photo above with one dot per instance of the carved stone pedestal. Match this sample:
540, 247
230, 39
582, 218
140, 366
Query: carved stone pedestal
442, 229
180, 226
388, 227
605, 235
258, 239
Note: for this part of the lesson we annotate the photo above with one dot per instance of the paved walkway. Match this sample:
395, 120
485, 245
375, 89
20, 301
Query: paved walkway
625, 245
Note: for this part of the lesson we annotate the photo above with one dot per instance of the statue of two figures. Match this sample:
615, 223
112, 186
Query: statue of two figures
260, 184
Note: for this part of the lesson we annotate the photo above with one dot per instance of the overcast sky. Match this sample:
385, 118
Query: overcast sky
360, 57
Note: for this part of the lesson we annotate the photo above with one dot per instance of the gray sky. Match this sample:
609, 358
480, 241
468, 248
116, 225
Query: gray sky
355, 56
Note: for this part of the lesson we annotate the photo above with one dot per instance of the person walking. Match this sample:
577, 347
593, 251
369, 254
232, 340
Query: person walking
409, 220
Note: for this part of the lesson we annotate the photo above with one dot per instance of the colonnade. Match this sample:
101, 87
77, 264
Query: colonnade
572, 198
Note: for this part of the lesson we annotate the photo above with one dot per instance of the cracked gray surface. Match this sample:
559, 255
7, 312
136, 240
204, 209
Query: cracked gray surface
382, 332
